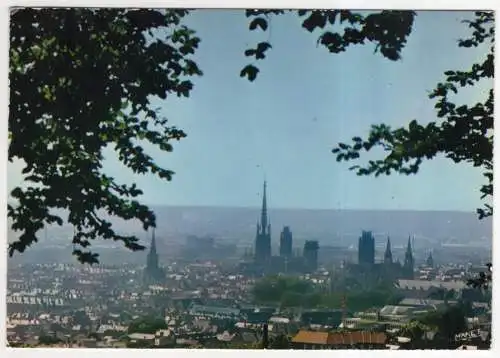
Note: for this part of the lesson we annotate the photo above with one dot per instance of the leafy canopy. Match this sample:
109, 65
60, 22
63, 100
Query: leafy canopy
147, 325
82, 80
388, 30
448, 322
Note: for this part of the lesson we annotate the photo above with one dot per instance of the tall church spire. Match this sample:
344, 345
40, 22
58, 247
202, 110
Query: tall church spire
152, 249
408, 247
409, 262
263, 214
388, 252
152, 263
263, 237
153, 271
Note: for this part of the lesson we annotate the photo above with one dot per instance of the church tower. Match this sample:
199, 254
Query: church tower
430, 260
263, 235
409, 263
366, 248
388, 253
152, 262
153, 273
286, 242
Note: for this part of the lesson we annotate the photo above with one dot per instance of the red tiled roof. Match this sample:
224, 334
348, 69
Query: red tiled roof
357, 337
340, 338
311, 337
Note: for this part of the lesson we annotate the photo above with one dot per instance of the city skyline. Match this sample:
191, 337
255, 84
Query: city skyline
308, 102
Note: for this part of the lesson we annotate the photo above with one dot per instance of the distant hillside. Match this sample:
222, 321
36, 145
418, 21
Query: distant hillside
330, 227
237, 226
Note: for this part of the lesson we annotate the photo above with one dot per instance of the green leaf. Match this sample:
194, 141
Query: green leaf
315, 20
87, 106
249, 71
258, 22
250, 52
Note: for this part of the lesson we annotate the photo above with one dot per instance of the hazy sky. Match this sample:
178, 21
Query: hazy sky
304, 101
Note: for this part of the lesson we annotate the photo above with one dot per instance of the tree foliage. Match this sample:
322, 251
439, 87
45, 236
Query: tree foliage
462, 133
442, 294
388, 30
281, 341
147, 325
448, 322
82, 80
289, 291
48, 340
415, 330
80, 318
293, 292
362, 299
483, 280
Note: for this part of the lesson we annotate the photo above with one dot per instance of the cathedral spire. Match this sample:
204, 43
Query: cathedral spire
408, 248
388, 252
263, 215
153, 271
152, 249
409, 262
263, 237
430, 260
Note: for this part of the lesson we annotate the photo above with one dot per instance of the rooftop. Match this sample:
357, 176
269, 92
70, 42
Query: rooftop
426, 285
339, 338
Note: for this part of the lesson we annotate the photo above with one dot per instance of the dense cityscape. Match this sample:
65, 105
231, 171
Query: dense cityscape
288, 300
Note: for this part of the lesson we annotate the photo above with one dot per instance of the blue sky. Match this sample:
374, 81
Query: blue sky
304, 101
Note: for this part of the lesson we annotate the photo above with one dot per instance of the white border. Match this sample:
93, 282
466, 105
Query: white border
323, 4
350, 4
